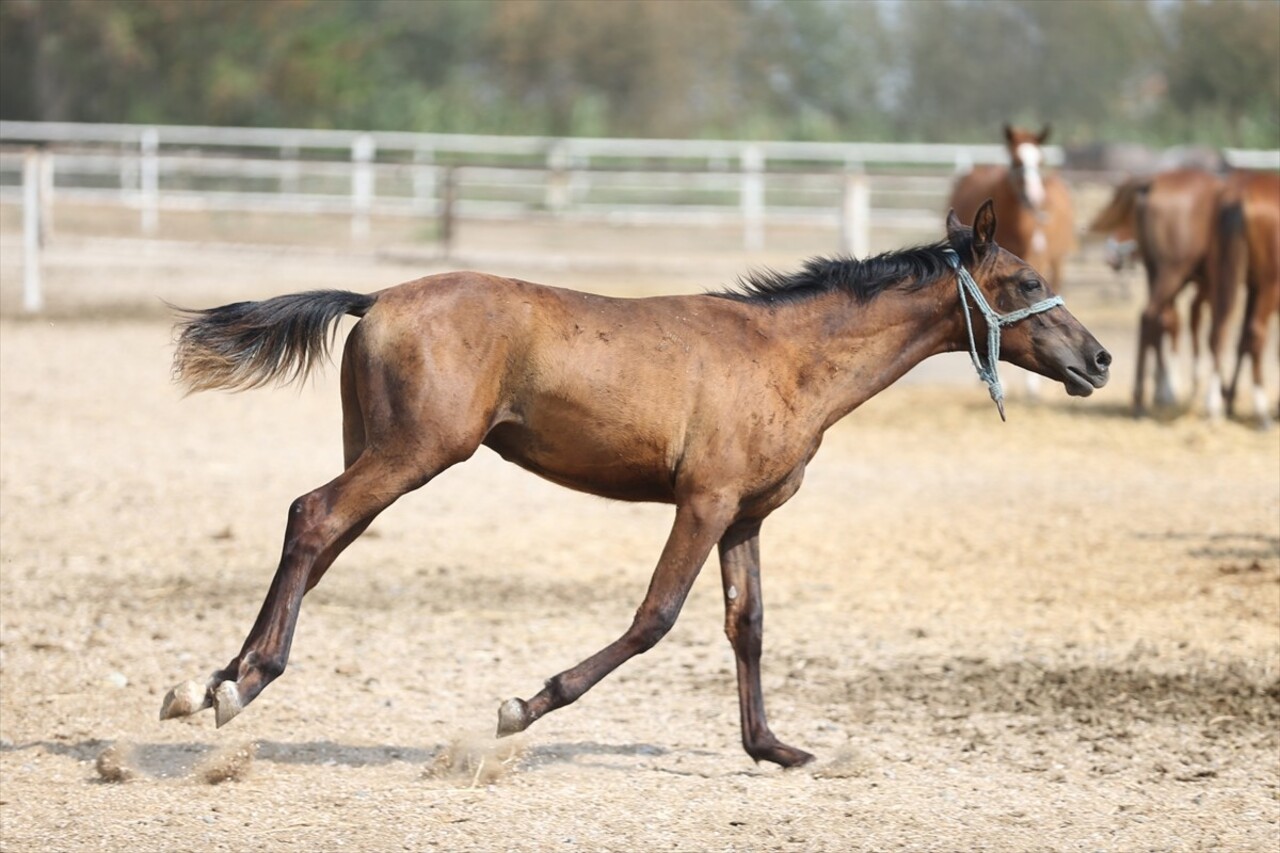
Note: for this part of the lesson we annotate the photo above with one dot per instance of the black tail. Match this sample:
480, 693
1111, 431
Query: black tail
249, 344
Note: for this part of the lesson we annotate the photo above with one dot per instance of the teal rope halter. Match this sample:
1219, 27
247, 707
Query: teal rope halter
966, 285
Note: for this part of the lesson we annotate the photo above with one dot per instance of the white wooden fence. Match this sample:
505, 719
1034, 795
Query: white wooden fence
846, 186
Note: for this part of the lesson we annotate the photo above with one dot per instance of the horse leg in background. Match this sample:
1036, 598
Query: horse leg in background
744, 625
699, 524
1198, 370
1140, 374
1263, 301
1153, 332
1226, 266
1159, 313
1167, 341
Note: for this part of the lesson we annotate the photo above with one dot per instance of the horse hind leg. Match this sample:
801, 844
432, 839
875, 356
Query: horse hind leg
321, 525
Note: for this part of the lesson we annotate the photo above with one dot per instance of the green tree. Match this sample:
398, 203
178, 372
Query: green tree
1224, 68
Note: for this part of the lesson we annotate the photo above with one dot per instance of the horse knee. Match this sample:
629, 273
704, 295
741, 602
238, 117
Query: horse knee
649, 628
305, 515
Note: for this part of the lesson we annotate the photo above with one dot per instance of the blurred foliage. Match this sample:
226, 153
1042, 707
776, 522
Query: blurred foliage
1157, 71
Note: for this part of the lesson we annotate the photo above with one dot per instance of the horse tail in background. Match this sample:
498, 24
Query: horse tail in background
1229, 255
248, 344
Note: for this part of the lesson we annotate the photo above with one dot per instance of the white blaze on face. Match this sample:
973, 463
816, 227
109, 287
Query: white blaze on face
1038, 242
1030, 156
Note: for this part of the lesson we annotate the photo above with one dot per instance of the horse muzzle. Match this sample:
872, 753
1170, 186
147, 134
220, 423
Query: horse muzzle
1090, 374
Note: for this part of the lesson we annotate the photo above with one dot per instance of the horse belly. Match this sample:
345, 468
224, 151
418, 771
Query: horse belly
588, 455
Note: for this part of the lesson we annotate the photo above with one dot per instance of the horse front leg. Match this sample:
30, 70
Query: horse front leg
699, 524
744, 625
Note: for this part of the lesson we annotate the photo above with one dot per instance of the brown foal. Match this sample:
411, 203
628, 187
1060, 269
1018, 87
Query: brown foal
714, 403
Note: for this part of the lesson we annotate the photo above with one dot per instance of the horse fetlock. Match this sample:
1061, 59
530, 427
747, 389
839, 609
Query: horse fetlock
226, 702
185, 699
1214, 399
513, 717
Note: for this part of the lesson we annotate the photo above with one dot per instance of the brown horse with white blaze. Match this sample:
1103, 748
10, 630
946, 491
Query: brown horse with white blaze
715, 403
1033, 208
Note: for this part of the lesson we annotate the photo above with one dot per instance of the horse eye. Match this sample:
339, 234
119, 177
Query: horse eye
1031, 285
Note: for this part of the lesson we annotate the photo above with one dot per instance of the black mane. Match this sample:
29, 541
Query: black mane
863, 279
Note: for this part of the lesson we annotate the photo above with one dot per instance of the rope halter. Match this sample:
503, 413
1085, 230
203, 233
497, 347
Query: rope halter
966, 285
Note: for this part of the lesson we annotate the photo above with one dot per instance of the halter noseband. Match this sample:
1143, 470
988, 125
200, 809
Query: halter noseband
966, 285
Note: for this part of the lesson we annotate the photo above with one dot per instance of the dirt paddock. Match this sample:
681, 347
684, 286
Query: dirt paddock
1060, 633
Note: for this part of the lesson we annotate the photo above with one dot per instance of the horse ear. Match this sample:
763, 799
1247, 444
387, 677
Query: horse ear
955, 229
1044, 134
1008, 133
984, 229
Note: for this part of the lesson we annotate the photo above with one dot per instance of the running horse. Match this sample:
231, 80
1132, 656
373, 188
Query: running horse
715, 403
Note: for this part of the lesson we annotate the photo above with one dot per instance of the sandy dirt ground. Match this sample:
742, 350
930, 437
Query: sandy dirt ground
1060, 633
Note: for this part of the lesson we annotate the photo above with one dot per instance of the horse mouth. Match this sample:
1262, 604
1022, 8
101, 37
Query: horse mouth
1082, 384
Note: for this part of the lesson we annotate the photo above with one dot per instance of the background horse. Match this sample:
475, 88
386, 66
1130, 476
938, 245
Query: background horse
1173, 218
1033, 209
715, 403
1257, 195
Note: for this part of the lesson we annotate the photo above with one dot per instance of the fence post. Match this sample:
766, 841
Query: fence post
362, 151
557, 176
32, 296
46, 195
752, 198
448, 210
290, 169
149, 179
424, 180
855, 216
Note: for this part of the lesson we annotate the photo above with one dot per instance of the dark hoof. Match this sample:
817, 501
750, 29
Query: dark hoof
796, 758
781, 754
513, 717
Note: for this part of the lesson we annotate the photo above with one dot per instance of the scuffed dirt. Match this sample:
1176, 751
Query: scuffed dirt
1060, 633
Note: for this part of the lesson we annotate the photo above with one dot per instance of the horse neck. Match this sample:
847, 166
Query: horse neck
861, 349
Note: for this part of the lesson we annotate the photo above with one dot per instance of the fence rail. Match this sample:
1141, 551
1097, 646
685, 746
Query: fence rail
152, 169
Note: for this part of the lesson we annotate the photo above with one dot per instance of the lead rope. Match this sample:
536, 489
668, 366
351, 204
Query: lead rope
966, 285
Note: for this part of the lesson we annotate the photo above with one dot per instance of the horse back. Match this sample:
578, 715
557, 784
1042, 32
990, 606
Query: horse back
601, 394
1176, 216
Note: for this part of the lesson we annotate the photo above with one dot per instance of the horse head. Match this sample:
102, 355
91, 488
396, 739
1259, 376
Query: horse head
1026, 156
1025, 323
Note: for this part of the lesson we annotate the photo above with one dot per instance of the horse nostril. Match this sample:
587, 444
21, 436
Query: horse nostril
1102, 359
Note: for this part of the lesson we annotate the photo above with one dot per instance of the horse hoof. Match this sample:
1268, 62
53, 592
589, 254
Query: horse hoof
226, 702
185, 699
513, 717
